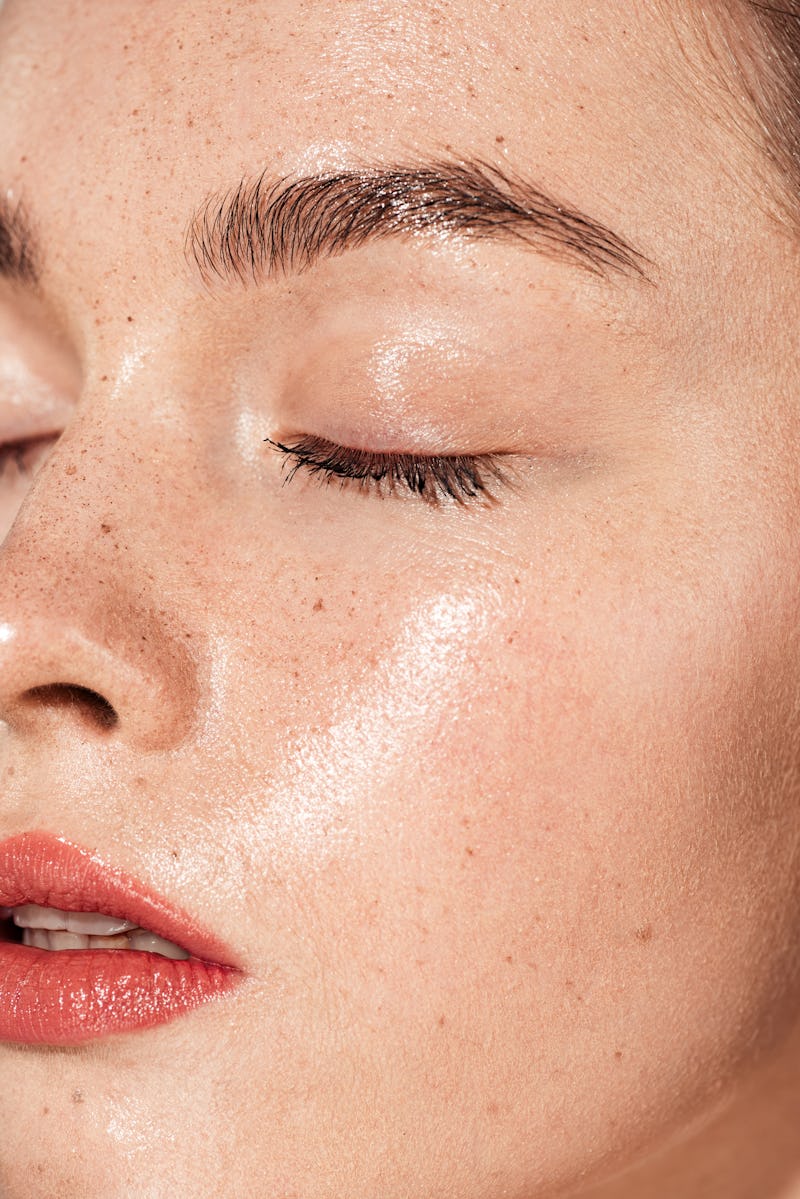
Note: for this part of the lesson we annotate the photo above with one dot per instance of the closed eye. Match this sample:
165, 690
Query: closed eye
433, 478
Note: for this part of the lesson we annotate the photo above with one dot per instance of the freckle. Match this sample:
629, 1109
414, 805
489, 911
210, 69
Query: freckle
569, 983
645, 933
190, 122
318, 606
135, 112
441, 1021
104, 378
77, 1096
105, 528
71, 469
469, 852
509, 959
618, 1054
499, 139
45, 1111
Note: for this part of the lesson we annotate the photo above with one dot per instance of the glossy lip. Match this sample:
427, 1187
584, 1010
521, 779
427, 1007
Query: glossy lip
68, 997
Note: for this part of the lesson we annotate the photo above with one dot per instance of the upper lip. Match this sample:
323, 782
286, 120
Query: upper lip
40, 868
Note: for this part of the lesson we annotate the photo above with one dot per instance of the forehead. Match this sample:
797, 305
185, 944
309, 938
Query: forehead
119, 111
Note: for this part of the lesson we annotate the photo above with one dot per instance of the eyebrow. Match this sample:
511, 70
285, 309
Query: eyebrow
18, 259
261, 229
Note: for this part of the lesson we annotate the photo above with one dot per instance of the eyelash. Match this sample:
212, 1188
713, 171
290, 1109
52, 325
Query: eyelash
462, 478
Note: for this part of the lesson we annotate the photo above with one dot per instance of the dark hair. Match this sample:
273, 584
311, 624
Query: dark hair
770, 68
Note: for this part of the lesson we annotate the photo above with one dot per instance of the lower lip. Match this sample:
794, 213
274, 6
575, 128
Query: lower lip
70, 996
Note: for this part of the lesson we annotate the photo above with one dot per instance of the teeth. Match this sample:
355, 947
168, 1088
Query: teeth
31, 915
95, 925
120, 942
42, 938
150, 943
57, 939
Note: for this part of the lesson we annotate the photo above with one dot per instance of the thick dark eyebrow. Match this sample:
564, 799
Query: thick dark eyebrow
260, 228
18, 257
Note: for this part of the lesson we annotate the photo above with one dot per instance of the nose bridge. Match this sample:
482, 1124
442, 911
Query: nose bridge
75, 501
80, 601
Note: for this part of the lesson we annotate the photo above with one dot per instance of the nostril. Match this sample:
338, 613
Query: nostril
87, 703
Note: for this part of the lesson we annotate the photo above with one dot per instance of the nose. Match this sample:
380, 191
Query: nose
89, 645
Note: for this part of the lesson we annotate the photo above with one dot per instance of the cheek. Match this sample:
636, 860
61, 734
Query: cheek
541, 812
389, 704
584, 810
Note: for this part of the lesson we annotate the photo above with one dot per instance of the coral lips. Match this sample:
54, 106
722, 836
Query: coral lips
70, 996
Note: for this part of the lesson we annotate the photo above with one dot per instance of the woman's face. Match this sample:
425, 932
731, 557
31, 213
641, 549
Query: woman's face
492, 798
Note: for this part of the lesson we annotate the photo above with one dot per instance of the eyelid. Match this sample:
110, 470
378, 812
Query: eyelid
38, 369
433, 478
33, 402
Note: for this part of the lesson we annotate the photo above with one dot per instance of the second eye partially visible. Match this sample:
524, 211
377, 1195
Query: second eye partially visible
21, 459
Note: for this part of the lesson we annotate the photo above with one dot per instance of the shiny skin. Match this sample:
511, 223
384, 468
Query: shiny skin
497, 805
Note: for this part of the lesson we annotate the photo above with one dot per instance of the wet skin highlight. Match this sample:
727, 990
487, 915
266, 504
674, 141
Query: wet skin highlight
492, 796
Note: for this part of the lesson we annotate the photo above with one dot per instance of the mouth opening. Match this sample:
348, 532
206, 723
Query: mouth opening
8, 929
80, 935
